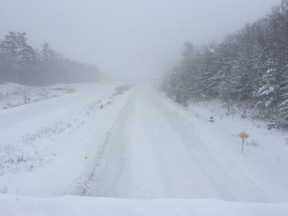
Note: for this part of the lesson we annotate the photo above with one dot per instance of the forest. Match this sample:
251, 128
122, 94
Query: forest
248, 69
20, 63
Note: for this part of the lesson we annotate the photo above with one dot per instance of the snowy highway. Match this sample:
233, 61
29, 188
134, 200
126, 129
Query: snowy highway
134, 144
145, 157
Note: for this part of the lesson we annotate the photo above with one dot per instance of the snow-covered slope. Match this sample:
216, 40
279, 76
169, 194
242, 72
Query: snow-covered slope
136, 144
47, 147
13, 94
85, 206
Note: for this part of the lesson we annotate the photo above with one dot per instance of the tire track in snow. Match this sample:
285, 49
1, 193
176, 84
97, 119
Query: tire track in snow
104, 178
223, 177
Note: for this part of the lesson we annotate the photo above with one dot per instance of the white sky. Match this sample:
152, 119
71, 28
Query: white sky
140, 38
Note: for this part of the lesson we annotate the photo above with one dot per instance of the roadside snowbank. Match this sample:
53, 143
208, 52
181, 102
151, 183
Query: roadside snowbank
18, 205
13, 94
261, 140
264, 161
42, 141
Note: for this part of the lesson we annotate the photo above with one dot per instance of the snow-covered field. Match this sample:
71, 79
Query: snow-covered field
137, 144
12, 94
75, 206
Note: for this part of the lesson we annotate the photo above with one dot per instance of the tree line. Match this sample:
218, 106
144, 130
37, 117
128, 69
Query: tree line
20, 63
249, 67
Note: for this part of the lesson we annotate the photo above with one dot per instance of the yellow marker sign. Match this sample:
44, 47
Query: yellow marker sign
243, 135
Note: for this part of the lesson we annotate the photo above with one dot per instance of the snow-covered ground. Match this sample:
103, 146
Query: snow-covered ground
75, 206
39, 141
137, 144
13, 94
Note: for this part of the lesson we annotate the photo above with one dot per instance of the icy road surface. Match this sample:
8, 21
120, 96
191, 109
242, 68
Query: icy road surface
136, 144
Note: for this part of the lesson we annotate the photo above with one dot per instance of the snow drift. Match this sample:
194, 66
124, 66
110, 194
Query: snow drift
26, 206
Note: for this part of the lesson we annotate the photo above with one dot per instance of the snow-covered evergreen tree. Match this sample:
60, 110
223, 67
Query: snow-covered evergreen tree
249, 67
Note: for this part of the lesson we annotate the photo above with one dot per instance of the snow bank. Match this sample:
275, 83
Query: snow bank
17, 205
262, 168
13, 94
42, 141
262, 143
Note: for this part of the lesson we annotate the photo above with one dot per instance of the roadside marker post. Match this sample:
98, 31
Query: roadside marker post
243, 136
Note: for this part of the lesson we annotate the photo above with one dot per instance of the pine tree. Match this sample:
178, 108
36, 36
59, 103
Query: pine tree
26, 52
10, 45
245, 61
224, 72
45, 53
207, 84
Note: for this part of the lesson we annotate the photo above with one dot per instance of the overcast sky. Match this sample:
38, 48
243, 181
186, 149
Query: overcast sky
131, 37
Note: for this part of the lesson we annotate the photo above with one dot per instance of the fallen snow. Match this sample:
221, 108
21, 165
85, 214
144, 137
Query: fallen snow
26, 206
138, 144
39, 141
13, 94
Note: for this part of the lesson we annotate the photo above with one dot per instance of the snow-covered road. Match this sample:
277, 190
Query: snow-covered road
138, 145
145, 157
